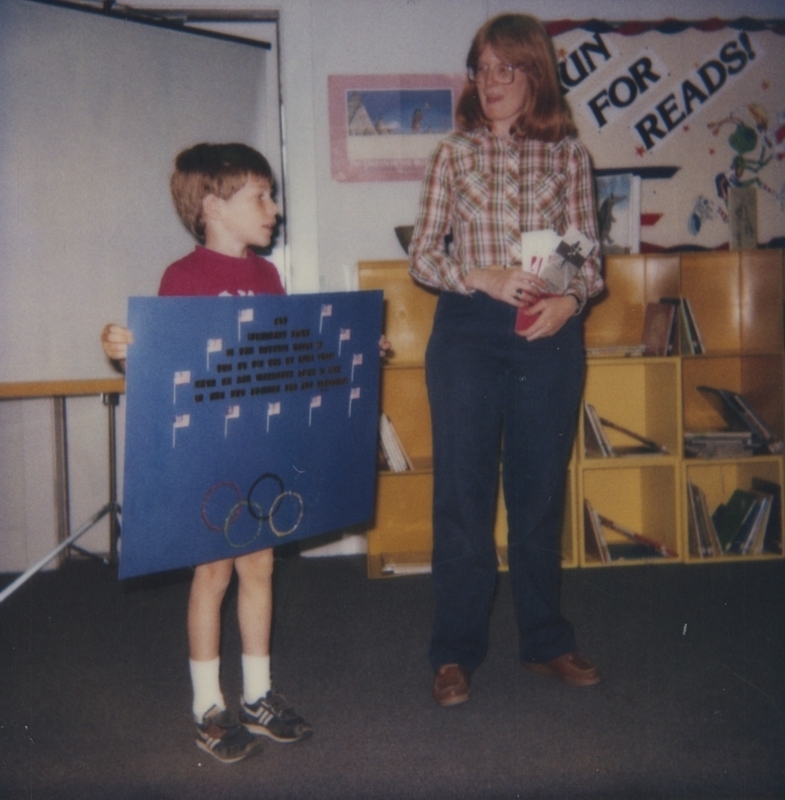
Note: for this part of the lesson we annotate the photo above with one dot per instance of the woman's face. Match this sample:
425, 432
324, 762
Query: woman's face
501, 103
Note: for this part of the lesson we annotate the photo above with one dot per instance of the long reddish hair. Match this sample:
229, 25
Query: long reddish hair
521, 40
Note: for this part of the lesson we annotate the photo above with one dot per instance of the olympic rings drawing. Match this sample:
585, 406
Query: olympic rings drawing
295, 508
228, 523
266, 476
277, 504
210, 493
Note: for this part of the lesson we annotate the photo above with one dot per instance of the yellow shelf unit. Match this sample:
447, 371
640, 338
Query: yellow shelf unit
737, 300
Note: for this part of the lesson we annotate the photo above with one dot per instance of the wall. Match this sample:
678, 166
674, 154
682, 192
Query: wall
331, 225
355, 221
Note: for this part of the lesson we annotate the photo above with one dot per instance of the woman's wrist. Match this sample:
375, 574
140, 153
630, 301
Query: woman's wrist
578, 306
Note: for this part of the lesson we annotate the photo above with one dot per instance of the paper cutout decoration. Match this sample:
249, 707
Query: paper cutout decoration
251, 422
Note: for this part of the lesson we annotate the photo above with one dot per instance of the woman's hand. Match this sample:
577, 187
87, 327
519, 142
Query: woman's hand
552, 313
115, 340
514, 286
385, 348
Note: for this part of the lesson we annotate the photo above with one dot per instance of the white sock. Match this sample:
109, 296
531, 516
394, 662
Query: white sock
256, 677
206, 685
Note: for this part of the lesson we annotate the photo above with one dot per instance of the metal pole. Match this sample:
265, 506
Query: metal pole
25, 576
62, 482
111, 401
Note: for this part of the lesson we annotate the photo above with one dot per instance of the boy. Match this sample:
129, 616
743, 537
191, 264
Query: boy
223, 193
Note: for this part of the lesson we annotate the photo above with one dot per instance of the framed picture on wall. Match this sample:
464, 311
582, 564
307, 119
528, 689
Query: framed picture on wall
385, 127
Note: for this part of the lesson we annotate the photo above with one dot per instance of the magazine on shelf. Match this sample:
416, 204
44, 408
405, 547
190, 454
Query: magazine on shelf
694, 339
690, 339
615, 350
659, 329
406, 564
772, 540
718, 444
598, 443
734, 520
392, 449
595, 543
739, 414
656, 548
703, 539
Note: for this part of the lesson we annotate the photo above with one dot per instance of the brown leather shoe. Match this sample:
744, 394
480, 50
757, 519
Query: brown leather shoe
572, 668
450, 685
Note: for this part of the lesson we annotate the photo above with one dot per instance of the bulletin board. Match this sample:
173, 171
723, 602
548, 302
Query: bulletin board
250, 422
692, 108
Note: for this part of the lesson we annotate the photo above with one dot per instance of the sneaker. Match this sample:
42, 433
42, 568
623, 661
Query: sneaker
220, 735
272, 716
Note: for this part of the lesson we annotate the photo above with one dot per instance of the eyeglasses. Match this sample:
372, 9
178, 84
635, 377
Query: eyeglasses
502, 73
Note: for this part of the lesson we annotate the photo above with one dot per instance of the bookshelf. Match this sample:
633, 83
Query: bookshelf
737, 301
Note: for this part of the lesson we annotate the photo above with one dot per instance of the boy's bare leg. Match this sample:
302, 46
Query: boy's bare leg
208, 588
255, 601
263, 711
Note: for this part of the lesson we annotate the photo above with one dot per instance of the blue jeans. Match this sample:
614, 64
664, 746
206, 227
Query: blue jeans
493, 396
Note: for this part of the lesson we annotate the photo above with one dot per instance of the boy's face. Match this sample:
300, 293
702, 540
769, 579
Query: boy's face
249, 217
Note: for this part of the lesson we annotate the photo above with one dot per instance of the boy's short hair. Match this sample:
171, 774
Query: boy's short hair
218, 169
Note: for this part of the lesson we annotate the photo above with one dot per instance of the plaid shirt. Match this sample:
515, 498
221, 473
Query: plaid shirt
485, 190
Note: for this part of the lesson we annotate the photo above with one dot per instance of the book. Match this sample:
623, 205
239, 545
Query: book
739, 414
698, 542
659, 329
677, 334
772, 539
697, 347
619, 212
718, 444
686, 333
392, 449
406, 564
615, 351
595, 543
750, 541
733, 519
707, 523
646, 445
757, 424
624, 551
597, 441
523, 319
748, 519
658, 548
554, 258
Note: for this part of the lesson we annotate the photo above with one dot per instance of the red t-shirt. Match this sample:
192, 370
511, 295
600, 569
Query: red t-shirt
205, 272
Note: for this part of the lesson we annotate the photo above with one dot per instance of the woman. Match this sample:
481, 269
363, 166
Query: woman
514, 166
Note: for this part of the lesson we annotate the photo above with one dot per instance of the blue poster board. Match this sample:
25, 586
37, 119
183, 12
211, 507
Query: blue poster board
251, 422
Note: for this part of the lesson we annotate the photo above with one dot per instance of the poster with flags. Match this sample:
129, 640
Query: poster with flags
234, 445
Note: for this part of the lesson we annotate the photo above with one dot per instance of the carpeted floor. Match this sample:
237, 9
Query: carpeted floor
95, 691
